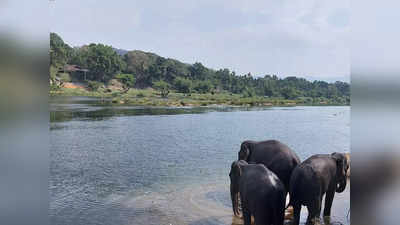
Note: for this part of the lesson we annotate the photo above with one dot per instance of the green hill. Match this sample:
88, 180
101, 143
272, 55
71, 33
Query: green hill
145, 69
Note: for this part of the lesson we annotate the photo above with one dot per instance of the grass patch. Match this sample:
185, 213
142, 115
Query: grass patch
151, 97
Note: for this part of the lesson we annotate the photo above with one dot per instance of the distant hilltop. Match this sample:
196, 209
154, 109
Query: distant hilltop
120, 52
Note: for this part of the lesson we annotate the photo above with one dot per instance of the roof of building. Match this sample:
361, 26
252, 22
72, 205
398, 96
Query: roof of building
74, 68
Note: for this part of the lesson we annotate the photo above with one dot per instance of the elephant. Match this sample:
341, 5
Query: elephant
318, 175
347, 154
276, 156
262, 194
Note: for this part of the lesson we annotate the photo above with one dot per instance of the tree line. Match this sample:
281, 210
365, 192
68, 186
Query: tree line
143, 69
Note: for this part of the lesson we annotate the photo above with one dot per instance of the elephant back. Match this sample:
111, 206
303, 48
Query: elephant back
272, 147
277, 157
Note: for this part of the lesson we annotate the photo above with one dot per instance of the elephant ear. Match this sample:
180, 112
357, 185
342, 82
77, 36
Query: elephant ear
235, 168
340, 163
244, 153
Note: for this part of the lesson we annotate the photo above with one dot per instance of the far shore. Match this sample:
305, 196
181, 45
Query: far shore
151, 97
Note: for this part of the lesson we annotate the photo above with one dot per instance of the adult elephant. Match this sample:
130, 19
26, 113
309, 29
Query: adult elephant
318, 175
347, 154
262, 194
275, 155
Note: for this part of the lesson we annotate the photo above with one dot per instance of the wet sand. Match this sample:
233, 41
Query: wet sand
208, 204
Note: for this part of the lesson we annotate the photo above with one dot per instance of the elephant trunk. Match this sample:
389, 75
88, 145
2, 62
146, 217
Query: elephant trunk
235, 202
342, 185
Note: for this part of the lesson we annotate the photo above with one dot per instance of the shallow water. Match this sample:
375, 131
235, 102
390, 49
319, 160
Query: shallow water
140, 165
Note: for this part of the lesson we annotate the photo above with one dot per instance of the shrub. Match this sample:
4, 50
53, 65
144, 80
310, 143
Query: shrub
115, 94
94, 85
54, 87
290, 93
249, 92
127, 79
53, 72
203, 86
163, 87
64, 77
183, 85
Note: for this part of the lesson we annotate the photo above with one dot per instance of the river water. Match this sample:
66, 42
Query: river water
139, 165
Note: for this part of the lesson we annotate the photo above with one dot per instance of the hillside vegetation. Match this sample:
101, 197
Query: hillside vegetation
165, 78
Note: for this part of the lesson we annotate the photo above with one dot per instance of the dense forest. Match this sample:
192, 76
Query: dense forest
138, 69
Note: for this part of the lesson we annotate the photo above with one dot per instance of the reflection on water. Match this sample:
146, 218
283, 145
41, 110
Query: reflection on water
89, 108
170, 165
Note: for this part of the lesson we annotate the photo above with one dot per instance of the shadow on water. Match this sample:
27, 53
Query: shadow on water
104, 113
64, 109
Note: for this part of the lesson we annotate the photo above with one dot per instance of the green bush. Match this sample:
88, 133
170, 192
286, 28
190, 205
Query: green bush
94, 85
203, 86
127, 79
163, 87
54, 87
53, 72
183, 85
65, 77
116, 94
249, 92
290, 93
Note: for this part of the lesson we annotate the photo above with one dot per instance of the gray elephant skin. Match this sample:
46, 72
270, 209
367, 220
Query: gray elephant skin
276, 156
318, 175
262, 194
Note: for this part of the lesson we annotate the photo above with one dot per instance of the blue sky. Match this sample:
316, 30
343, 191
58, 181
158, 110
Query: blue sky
284, 37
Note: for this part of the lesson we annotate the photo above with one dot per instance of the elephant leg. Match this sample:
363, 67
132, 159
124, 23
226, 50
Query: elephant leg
246, 216
279, 216
279, 212
314, 210
262, 218
296, 214
328, 202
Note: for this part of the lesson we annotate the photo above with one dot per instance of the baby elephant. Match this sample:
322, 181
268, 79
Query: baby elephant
316, 176
262, 194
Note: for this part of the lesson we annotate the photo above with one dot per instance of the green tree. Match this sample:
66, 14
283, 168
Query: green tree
101, 60
249, 92
203, 86
94, 85
59, 51
127, 79
332, 91
145, 66
198, 71
103, 63
53, 72
183, 85
225, 78
162, 87
289, 93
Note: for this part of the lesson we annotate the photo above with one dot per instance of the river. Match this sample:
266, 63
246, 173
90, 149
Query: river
120, 165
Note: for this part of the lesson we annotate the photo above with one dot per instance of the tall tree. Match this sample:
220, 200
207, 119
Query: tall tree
59, 51
102, 61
